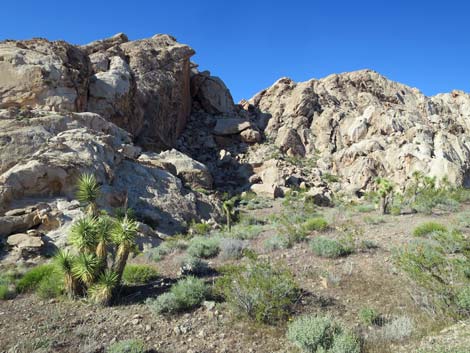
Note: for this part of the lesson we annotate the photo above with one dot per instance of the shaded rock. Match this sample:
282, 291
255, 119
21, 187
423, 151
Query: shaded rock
230, 126
211, 93
250, 136
268, 190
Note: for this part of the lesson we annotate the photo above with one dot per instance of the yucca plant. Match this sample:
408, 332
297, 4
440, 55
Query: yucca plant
228, 207
102, 291
64, 261
385, 190
104, 227
88, 191
83, 234
123, 236
84, 268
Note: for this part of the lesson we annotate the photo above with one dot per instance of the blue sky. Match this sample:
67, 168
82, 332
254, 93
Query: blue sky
250, 44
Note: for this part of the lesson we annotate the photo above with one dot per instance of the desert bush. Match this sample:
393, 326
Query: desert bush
244, 231
139, 274
369, 316
127, 346
365, 208
374, 220
231, 248
428, 228
326, 247
318, 334
261, 291
397, 329
200, 228
6, 293
190, 265
463, 299
463, 219
317, 223
33, 277
203, 247
276, 242
184, 295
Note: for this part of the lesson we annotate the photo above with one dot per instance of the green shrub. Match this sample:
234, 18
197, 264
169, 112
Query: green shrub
31, 279
244, 231
203, 247
397, 329
276, 242
139, 274
127, 346
184, 295
317, 334
6, 293
260, 291
369, 316
200, 228
317, 223
326, 247
428, 228
51, 286
463, 299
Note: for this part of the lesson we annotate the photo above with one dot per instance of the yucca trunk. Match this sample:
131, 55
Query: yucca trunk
101, 254
71, 285
120, 263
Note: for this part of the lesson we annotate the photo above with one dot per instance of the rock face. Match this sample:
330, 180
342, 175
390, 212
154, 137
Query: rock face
142, 86
67, 145
360, 125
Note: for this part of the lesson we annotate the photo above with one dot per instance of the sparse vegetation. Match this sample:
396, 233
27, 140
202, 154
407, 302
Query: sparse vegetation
231, 249
276, 242
369, 316
315, 224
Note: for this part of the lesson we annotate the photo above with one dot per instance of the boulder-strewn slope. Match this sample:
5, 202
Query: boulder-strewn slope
361, 125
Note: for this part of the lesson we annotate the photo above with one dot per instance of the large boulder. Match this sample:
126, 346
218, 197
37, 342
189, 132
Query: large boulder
39, 73
211, 93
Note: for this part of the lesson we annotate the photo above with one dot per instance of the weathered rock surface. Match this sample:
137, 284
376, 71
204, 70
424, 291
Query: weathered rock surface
67, 145
360, 125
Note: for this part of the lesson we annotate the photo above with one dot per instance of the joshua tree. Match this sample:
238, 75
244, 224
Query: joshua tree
87, 273
64, 261
123, 236
228, 207
88, 192
385, 190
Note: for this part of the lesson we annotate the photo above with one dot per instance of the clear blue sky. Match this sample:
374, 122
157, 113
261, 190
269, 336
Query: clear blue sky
250, 44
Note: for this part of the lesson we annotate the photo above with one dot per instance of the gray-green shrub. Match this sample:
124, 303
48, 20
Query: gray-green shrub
319, 334
184, 295
139, 274
190, 265
203, 247
327, 247
231, 249
428, 228
127, 346
276, 242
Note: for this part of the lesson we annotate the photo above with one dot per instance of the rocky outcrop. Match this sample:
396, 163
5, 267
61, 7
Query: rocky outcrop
67, 145
360, 125
142, 86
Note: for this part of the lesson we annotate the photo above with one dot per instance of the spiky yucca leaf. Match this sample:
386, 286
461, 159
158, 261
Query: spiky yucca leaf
102, 292
88, 191
84, 268
64, 261
83, 234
